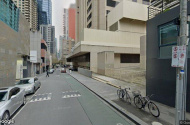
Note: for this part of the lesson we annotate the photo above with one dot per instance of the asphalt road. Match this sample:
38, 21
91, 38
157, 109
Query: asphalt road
62, 100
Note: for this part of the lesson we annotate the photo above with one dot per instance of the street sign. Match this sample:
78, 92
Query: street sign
178, 56
33, 56
182, 56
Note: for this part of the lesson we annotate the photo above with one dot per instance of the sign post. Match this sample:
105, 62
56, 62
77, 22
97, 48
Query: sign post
181, 71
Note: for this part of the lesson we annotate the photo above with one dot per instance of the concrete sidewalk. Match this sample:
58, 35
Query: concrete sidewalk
106, 88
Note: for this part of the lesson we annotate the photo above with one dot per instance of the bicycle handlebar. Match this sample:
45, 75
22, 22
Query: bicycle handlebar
128, 88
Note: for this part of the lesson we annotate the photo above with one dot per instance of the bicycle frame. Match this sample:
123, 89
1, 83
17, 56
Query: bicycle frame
145, 100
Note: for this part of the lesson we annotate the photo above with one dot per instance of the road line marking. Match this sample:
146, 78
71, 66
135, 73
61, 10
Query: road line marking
24, 106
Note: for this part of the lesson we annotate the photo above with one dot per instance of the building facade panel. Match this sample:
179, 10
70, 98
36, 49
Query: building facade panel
13, 48
161, 77
72, 23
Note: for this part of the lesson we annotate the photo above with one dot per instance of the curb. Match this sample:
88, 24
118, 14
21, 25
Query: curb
107, 82
130, 116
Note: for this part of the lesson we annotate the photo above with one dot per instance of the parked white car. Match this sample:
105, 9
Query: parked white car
10, 100
51, 71
29, 84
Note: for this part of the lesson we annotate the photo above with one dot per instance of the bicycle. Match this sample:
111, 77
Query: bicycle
124, 93
141, 102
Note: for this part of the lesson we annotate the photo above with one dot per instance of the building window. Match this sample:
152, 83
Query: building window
89, 17
112, 3
89, 25
134, 0
168, 34
130, 58
9, 14
89, 8
88, 2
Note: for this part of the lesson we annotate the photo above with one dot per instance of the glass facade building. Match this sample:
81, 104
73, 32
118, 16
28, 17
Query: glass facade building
9, 14
42, 15
47, 7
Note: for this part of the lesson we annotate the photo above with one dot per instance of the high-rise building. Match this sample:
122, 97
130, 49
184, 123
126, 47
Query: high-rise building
42, 15
66, 24
93, 14
48, 34
112, 26
61, 46
67, 41
29, 9
47, 7
71, 21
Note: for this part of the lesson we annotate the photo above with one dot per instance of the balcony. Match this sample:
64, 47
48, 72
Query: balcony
129, 10
161, 6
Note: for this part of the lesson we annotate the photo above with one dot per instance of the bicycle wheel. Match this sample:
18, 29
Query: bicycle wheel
153, 109
118, 92
138, 102
128, 98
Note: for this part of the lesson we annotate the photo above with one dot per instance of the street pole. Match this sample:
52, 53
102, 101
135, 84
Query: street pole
32, 69
181, 73
45, 61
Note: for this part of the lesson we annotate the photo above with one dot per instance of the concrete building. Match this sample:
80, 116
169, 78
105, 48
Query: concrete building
121, 42
35, 52
29, 9
48, 34
45, 56
61, 46
93, 14
67, 41
163, 30
71, 21
66, 46
14, 44
66, 23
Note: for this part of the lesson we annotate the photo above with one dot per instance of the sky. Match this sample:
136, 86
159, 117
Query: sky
57, 15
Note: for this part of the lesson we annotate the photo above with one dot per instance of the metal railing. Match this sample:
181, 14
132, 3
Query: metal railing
161, 6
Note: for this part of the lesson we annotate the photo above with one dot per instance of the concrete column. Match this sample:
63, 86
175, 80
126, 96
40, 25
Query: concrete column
105, 62
93, 61
143, 52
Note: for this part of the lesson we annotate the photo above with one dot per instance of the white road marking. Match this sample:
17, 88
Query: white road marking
119, 124
71, 96
47, 97
24, 105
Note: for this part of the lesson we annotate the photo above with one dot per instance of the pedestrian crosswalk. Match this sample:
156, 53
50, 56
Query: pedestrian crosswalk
41, 97
71, 94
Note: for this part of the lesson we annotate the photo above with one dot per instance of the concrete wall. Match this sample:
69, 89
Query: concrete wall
134, 26
12, 46
85, 72
108, 38
125, 9
143, 52
105, 60
35, 44
93, 61
101, 63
